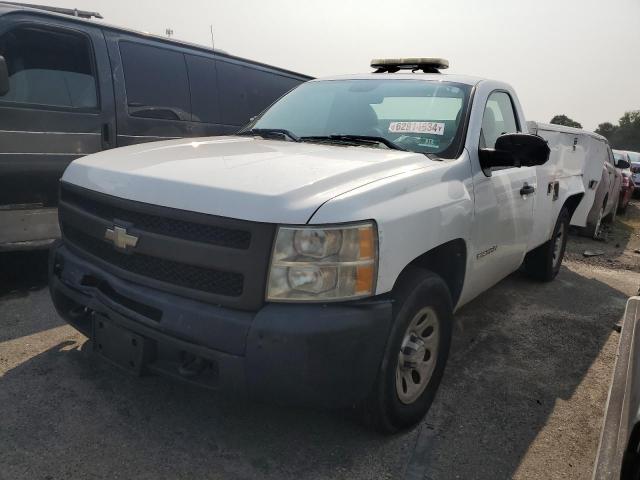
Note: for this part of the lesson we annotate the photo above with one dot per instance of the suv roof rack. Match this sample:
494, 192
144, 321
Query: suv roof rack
393, 65
74, 12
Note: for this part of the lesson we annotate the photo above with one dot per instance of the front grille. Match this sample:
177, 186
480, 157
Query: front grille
197, 232
187, 276
215, 259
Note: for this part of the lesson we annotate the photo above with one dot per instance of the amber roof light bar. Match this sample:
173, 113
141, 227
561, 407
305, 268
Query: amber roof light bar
393, 65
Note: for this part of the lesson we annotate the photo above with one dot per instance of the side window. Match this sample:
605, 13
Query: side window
156, 82
233, 96
263, 88
610, 158
49, 67
499, 117
204, 89
246, 91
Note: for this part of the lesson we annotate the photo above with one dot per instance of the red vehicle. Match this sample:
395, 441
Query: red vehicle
627, 187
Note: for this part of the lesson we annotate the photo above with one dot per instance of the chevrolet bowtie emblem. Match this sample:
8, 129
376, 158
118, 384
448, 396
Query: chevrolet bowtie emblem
120, 237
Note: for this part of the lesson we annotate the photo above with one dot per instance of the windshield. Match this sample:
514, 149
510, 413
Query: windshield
618, 156
415, 115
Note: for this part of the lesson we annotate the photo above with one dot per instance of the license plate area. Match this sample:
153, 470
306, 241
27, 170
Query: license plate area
120, 346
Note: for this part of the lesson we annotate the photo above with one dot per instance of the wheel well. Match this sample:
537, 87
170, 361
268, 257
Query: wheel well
449, 261
572, 203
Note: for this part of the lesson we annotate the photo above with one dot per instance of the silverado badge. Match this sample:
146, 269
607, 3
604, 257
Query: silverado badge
120, 237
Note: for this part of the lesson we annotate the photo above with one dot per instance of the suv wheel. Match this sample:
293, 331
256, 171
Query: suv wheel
415, 355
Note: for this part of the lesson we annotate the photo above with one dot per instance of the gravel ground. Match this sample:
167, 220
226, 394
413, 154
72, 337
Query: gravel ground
522, 397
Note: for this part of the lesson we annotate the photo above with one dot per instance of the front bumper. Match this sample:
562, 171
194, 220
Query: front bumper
25, 228
314, 355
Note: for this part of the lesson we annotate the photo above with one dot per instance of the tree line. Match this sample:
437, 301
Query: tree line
623, 136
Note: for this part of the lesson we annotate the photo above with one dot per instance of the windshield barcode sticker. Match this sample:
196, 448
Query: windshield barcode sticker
432, 128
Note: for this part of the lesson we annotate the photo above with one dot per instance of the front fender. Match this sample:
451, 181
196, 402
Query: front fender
415, 212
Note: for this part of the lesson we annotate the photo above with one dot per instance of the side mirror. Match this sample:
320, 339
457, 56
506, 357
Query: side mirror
622, 164
4, 77
515, 150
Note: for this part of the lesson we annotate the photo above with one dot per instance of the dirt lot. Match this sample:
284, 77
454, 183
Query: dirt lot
523, 393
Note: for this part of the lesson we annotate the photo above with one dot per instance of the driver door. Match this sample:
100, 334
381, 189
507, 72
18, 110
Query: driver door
504, 200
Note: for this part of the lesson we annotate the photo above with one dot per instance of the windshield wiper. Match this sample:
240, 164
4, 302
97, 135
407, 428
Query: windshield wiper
361, 139
269, 132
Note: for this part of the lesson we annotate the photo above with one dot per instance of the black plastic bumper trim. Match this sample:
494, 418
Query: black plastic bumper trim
291, 354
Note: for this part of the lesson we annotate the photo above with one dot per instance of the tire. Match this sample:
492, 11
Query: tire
544, 262
594, 230
420, 337
622, 209
611, 217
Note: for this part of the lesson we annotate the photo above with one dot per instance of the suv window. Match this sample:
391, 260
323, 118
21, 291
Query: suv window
204, 89
49, 67
233, 95
263, 88
498, 118
156, 82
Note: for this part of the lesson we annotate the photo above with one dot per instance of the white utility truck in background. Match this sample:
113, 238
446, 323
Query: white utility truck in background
317, 256
581, 156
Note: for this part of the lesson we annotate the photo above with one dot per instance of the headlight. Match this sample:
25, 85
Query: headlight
323, 263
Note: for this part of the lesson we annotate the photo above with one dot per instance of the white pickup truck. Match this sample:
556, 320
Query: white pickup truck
579, 155
316, 257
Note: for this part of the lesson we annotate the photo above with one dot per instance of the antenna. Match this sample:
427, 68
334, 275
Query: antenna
213, 45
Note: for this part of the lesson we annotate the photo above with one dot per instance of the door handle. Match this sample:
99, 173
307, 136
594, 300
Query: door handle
527, 189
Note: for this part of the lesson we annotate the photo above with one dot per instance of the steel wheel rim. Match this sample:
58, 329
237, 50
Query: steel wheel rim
557, 246
418, 355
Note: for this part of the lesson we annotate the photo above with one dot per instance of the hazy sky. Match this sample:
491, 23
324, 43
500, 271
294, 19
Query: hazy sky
577, 57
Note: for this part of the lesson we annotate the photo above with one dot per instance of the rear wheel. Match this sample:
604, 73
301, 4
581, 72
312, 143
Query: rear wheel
544, 262
611, 217
594, 229
623, 208
416, 353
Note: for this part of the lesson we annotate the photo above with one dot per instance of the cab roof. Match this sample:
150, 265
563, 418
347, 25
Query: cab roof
431, 77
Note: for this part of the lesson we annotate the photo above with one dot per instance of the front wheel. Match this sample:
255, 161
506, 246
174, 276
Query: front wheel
415, 355
544, 262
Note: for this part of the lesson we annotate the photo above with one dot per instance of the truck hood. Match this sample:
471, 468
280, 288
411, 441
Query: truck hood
239, 177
